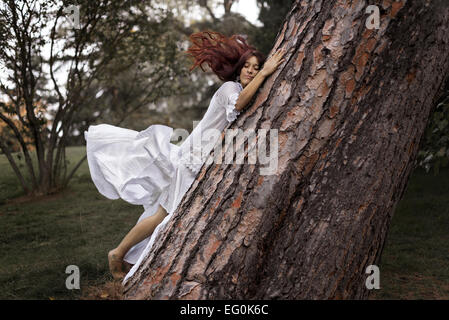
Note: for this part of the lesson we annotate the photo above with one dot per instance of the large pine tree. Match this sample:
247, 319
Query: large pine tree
350, 105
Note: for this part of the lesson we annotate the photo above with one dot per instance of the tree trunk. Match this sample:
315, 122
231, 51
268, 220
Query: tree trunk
350, 105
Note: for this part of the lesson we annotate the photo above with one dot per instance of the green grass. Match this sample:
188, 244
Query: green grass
40, 238
415, 260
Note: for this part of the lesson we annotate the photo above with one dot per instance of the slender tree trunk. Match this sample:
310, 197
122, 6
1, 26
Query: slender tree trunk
351, 105
4, 148
227, 6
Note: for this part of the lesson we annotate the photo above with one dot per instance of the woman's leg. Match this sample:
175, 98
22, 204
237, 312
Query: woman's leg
140, 231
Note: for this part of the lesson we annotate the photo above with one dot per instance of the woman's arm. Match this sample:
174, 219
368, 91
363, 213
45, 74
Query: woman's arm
268, 68
248, 92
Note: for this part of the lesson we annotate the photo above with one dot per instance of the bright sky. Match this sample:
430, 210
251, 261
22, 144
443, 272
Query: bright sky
247, 8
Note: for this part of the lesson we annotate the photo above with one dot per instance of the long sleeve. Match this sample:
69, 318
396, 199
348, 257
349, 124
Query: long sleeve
227, 96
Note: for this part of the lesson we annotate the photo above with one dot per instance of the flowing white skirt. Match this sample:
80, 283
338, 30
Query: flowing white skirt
142, 168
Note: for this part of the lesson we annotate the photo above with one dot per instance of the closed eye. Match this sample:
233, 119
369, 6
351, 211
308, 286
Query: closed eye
255, 67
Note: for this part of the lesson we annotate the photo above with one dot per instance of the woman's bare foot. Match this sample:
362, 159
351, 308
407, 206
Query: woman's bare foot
116, 264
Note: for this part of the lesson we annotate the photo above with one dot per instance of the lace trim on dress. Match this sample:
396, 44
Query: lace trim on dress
190, 161
231, 112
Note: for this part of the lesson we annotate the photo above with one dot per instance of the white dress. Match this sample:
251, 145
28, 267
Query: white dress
145, 168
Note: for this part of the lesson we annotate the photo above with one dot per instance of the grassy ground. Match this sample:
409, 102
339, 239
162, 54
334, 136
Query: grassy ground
415, 260
40, 238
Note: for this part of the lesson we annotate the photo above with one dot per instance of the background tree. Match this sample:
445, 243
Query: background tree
350, 105
104, 47
434, 150
272, 14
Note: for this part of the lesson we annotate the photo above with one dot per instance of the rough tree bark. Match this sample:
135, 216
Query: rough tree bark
351, 105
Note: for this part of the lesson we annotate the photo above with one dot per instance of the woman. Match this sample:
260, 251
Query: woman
145, 168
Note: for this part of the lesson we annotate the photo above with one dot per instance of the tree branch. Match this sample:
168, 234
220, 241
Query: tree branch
203, 3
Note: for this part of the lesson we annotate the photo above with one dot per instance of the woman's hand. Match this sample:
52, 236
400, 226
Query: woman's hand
273, 63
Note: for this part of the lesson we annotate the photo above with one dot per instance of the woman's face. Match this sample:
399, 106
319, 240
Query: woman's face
249, 71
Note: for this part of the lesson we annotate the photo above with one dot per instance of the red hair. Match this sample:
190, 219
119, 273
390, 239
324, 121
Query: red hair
225, 55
